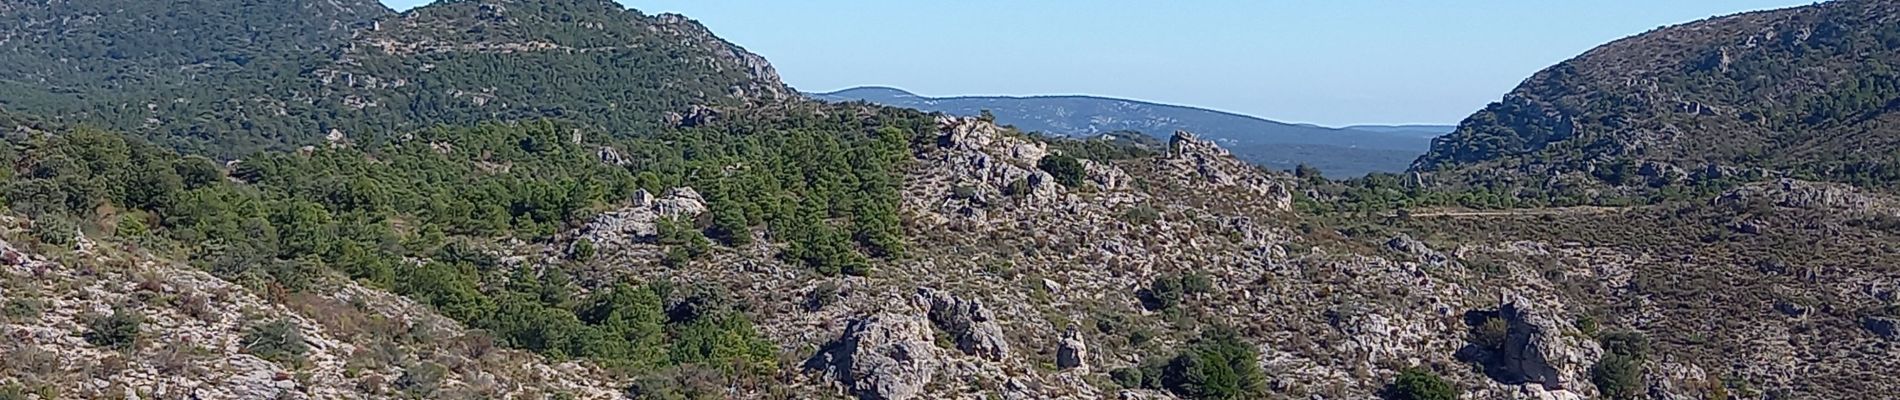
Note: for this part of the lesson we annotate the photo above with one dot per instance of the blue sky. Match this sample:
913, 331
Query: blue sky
1332, 62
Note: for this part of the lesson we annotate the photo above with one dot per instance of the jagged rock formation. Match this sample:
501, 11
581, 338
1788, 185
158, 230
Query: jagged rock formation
1405, 244
641, 220
882, 357
972, 326
1538, 351
983, 157
1073, 352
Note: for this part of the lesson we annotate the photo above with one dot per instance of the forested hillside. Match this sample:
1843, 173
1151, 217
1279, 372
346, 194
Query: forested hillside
228, 77
297, 221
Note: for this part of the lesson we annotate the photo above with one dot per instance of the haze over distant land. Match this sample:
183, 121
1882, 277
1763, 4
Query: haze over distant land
1352, 62
1338, 152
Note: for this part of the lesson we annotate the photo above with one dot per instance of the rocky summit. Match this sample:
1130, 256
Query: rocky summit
535, 199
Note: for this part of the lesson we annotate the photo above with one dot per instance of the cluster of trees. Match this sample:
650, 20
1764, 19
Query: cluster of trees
822, 181
1218, 365
1117, 145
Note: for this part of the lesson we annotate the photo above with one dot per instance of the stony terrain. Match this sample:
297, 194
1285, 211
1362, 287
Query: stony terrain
1024, 288
1035, 292
362, 343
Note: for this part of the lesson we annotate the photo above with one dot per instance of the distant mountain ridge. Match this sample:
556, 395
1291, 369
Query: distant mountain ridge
1280, 145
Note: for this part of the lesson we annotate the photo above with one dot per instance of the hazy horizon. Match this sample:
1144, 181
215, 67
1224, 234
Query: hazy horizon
1330, 64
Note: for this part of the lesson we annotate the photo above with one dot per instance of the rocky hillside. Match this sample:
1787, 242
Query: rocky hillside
1028, 282
108, 320
1342, 152
1806, 92
750, 248
229, 77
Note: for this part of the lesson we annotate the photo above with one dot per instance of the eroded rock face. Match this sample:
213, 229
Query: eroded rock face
641, 221
1072, 352
967, 321
887, 356
1538, 352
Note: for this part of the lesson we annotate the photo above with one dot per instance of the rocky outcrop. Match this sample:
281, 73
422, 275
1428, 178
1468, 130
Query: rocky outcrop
980, 156
1537, 352
640, 221
971, 325
1072, 352
1105, 176
763, 82
1213, 166
887, 356
1404, 243
1811, 195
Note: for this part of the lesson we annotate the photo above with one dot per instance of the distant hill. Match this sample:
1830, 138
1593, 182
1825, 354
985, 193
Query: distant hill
1425, 131
1279, 145
1809, 92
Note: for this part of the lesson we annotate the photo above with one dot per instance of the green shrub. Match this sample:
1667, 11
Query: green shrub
56, 231
1619, 375
1492, 334
1146, 375
1420, 384
1219, 365
422, 380
825, 294
1197, 283
1165, 292
13, 392
1127, 377
132, 225
280, 341
1017, 187
1141, 215
583, 249
119, 331
1067, 170
22, 309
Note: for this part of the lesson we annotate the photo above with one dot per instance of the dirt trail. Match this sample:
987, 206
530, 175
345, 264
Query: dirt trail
1515, 212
